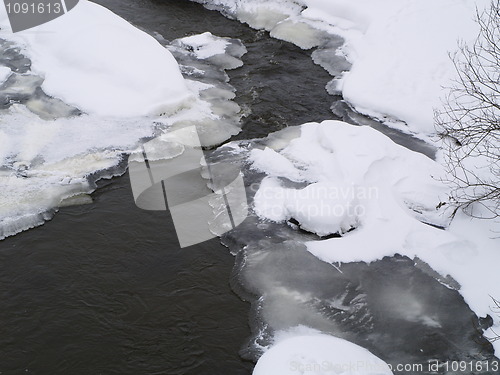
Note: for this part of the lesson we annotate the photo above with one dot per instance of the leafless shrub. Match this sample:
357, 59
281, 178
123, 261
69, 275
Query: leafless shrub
469, 122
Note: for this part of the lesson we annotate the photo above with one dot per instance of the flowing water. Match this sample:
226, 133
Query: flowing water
105, 289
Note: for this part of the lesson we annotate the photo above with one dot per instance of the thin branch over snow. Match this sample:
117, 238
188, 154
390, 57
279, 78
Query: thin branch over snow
469, 122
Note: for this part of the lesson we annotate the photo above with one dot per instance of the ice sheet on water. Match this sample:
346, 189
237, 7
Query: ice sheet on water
26, 88
334, 87
51, 153
261, 18
258, 14
222, 52
204, 45
329, 58
18, 87
41, 164
299, 33
204, 59
291, 288
280, 269
11, 57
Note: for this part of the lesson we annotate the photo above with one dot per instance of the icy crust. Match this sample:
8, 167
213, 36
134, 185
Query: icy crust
4, 73
398, 195
306, 351
203, 61
41, 165
98, 62
398, 49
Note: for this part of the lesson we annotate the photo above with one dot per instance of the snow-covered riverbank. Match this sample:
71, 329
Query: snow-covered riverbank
398, 49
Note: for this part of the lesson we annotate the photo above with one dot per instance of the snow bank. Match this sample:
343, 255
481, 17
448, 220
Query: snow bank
313, 353
98, 62
398, 48
399, 51
398, 195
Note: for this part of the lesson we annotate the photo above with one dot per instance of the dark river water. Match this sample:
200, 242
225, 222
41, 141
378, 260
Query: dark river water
105, 288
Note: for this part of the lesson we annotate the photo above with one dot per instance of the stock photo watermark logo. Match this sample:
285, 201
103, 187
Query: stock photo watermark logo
205, 199
25, 14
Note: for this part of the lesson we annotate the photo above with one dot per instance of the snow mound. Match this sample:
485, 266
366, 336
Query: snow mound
318, 354
96, 61
322, 208
356, 176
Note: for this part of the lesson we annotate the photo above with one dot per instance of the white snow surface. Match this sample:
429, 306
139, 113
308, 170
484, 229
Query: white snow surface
357, 177
398, 48
98, 62
205, 45
306, 351
394, 192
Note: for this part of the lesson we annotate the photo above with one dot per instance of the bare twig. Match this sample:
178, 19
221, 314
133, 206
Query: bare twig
469, 122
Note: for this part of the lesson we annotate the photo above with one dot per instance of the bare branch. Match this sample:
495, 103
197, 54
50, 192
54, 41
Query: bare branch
469, 122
